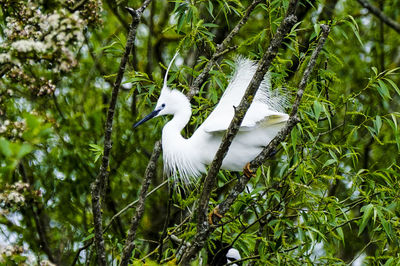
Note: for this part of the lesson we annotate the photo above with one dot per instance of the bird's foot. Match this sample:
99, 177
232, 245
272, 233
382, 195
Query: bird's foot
248, 172
215, 212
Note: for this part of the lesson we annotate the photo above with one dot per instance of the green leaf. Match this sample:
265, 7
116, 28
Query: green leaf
329, 162
394, 120
90, 236
210, 8
339, 230
377, 124
375, 70
98, 151
333, 155
5, 147
24, 149
294, 135
109, 46
390, 262
210, 25
393, 85
317, 106
387, 227
95, 147
383, 90
353, 24
366, 216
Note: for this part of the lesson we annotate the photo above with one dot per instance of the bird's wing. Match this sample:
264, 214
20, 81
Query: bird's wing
253, 118
264, 109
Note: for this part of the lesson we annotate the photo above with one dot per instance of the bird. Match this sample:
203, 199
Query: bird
186, 159
220, 253
233, 255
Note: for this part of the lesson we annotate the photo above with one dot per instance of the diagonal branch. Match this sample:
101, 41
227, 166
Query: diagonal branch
221, 48
269, 151
203, 227
377, 12
150, 172
98, 186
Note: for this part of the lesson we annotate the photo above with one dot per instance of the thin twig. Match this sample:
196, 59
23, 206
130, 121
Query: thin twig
377, 12
78, 5
88, 244
150, 172
133, 203
98, 186
203, 227
170, 235
362, 250
227, 50
164, 231
235, 262
5, 69
221, 49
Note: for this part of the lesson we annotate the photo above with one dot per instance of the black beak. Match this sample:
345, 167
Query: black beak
148, 117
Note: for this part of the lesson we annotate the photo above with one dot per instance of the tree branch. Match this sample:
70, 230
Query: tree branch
130, 205
38, 216
377, 12
221, 49
203, 228
150, 172
98, 186
268, 151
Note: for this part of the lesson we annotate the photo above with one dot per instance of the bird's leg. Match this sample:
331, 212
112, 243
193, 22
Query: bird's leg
215, 212
248, 172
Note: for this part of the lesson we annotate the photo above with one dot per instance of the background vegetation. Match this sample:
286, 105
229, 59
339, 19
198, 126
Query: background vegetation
329, 195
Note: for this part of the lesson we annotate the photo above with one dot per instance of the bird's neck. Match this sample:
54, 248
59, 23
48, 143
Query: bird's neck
179, 154
174, 127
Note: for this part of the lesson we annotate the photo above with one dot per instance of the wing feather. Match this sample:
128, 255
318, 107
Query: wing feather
265, 110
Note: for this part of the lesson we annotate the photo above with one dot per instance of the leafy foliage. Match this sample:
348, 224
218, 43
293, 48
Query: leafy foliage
329, 195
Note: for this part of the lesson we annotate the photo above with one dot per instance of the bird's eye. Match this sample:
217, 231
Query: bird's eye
163, 105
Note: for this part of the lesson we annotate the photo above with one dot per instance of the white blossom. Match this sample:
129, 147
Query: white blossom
24, 46
16, 197
53, 20
4, 58
46, 263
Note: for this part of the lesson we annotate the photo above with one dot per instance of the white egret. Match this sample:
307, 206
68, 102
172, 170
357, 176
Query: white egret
220, 253
189, 157
233, 255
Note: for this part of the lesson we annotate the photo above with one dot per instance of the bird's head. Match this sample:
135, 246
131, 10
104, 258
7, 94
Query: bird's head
169, 101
